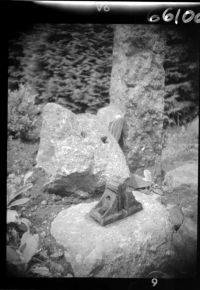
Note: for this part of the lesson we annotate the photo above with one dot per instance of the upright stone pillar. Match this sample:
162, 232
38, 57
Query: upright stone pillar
137, 87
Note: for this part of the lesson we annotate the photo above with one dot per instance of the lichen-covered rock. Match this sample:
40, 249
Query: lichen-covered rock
128, 248
77, 152
137, 87
113, 118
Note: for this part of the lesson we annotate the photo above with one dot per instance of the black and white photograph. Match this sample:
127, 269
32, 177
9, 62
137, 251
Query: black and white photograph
102, 147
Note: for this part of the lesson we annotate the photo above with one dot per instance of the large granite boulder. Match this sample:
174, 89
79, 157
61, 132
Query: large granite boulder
78, 152
137, 87
129, 248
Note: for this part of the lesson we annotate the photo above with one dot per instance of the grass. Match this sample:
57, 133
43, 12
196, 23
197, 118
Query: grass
181, 144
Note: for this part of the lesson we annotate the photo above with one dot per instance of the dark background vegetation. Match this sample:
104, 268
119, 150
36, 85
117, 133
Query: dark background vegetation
181, 75
65, 63
70, 64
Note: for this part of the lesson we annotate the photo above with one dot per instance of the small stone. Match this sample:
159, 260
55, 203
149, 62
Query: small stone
53, 196
69, 275
82, 194
17, 180
57, 254
43, 234
44, 202
153, 249
11, 176
170, 253
158, 191
40, 270
57, 197
34, 208
56, 267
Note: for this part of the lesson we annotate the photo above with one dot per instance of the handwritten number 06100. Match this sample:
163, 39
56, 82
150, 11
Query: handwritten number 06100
187, 16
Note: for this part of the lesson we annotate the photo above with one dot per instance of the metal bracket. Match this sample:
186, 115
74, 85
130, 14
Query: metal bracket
117, 202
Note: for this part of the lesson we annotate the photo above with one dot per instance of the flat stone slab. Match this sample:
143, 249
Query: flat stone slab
131, 247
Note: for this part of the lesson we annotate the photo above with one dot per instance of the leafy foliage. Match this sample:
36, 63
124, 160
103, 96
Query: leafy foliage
12, 194
181, 79
22, 113
68, 64
19, 255
16, 187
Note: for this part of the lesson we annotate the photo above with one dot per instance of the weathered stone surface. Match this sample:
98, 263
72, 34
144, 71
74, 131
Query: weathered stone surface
77, 152
113, 118
186, 174
131, 247
137, 87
